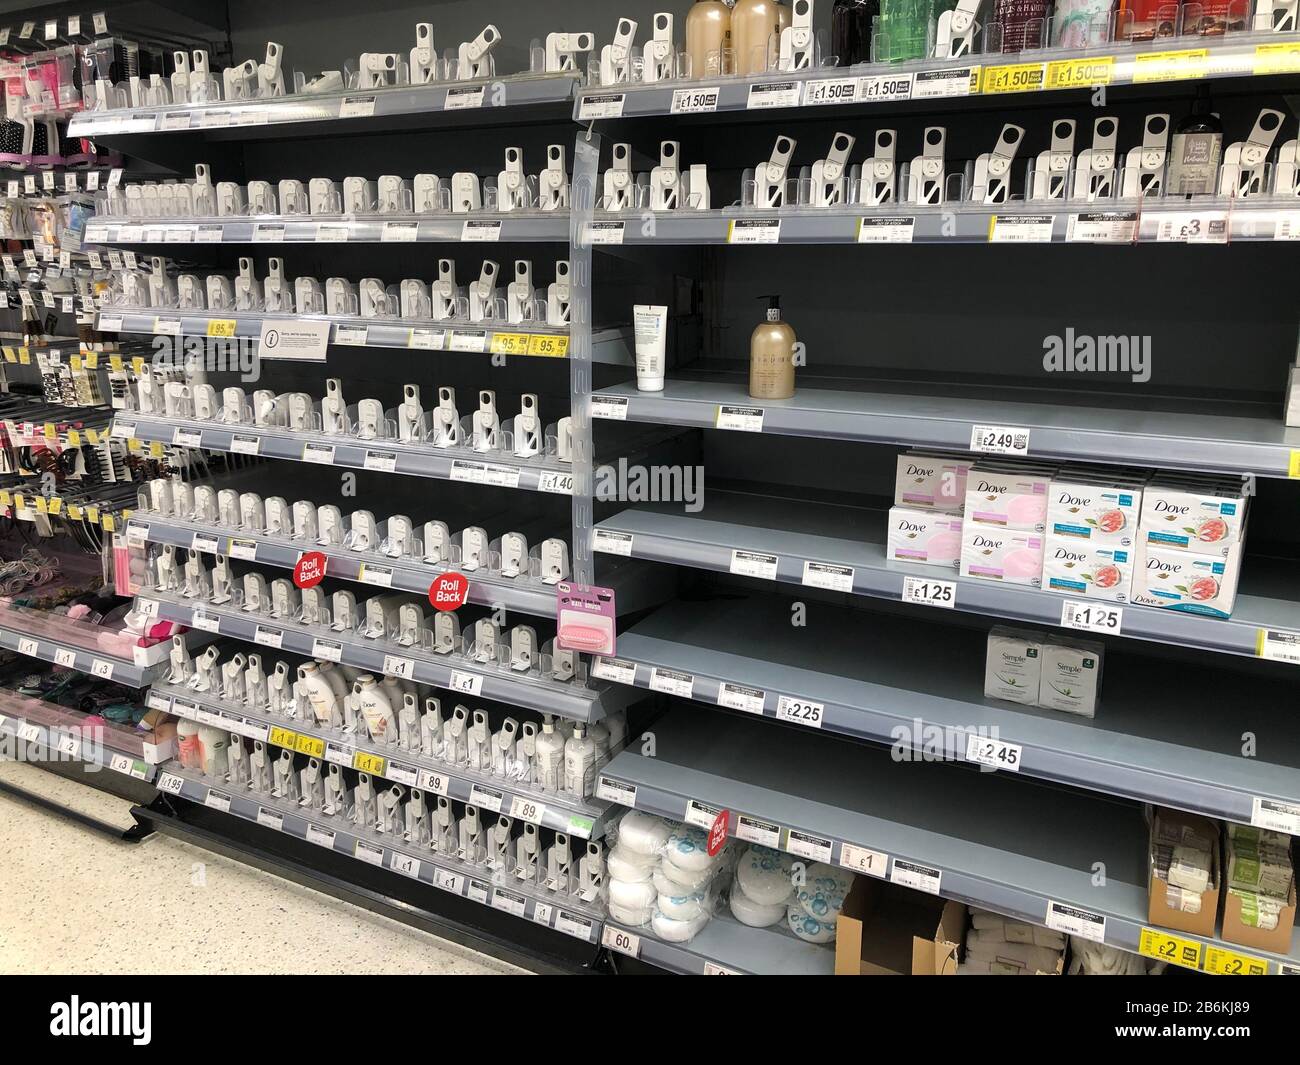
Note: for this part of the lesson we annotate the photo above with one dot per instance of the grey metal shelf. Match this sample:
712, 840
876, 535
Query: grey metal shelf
794, 533
1249, 440
563, 912
869, 677
725, 947
1011, 846
612, 346
536, 474
1109, 222
571, 700
480, 227
561, 812
492, 101
524, 594
97, 663
880, 86
63, 744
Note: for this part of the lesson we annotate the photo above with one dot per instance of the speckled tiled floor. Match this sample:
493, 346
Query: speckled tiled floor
74, 901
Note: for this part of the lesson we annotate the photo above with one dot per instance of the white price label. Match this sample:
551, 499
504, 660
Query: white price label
1278, 645
896, 229
357, 107
1073, 921
754, 231
405, 864
206, 543
319, 454
170, 783
270, 819
465, 683
740, 697
433, 783
486, 798
764, 833
700, 814
929, 592
826, 575
379, 576
28, 647
464, 99
606, 232
399, 232
426, 339
937, 84
101, 669
29, 733
1021, 229
621, 941
610, 408
480, 231
918, 877
268, 233
267, 637
1092, 617
601, 105
243, 549
615, 669
351, 335
572, 924
382, 461
1103, 227
397, 666
339, 754
509, 902
672, 682
64, 657
69, 743
120, 763
885, 87
695, 101
525, 809
144, 607
740, 419
204, 623
828, 91
472, 340
612, 543
618, 791
244, 444
754, 564
209, 234
322, 837
187, 437
1193, 227
806, 845
217, 801
1276, 816
369, 853
766, 95
999, 440
993, 753
331, 234
556, 482
477, 891
326, 650
800, 711
448, 881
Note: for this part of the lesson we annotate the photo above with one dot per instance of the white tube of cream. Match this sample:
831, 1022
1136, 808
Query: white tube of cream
651, 328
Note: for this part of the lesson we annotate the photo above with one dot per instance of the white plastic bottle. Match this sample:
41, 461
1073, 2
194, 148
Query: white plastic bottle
579, 762
550, 756
336, 677
214, 742
599, 735
320, 693
375, 708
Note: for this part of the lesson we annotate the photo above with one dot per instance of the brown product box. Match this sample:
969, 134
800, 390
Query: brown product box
1159, 912
1276, 940
886, 930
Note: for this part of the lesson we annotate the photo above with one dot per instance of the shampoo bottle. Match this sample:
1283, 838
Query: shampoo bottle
550, 756
754, 24
708, 39
579, 762
1196, 149
771, 356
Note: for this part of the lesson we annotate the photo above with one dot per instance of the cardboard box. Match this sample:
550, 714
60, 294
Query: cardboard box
1175, 824
886, 930
1235, 929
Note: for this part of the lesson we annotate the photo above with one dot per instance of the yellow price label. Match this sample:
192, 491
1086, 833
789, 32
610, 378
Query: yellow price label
1015, 77
107, 523
510, 343
221, 327
548, 347
1080, 73
75, 362
310, 746
115, 363
91, 360
1171, 66
92, 435
133, 444
282, 737
75, 512
19, 501
1293, 468
24, 357
92, 515
9, 355
1222, 962
39, 503
5, 497
1166, 947
157, 450
74, 438
373, 764
137, 364
1277, 58
50, 431
56, 505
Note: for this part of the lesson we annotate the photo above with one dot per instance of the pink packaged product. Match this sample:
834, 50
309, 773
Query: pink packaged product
1008, 555
1008, 497
929, 537
931, 480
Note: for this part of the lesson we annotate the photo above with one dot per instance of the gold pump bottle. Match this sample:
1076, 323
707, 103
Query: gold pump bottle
708, 38
771, 356
754, 23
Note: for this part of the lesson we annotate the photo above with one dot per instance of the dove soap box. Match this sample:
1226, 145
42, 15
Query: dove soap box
1194, 583
1013, 665
1199, 516
1008, 497
1070, 676
929, 537
1007, 555
1093, 510
1092, 570
930, 480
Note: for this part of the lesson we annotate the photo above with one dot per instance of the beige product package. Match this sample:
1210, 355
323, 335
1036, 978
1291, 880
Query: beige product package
1013, 666
1071, 676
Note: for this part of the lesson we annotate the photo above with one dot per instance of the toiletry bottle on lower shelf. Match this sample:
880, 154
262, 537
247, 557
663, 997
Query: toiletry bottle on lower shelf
188, 745
375, 707
550, 756
213, 741
771, 356
708, 39
579, 761
320, 692
1195, 150
851, 24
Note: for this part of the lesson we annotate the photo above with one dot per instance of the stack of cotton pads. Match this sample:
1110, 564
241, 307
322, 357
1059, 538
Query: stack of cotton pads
766, 891
631, 866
